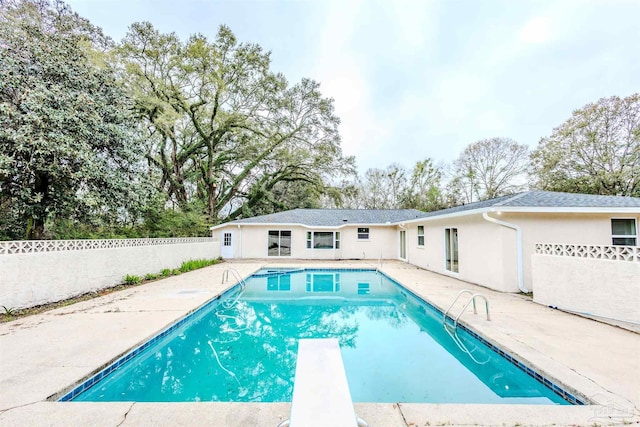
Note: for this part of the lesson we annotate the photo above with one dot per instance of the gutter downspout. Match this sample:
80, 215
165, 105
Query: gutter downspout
240, 241
486, 216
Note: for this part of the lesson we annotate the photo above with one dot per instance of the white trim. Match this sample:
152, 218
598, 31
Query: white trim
311, 227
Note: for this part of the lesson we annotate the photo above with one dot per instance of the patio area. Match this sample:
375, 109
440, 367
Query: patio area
43, 355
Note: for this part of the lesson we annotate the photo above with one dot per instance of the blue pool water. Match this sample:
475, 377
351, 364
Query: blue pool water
242, 348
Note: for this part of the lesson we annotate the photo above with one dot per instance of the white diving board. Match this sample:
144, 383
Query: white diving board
321, 394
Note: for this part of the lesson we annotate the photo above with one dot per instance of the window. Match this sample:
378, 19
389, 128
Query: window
279, 243
624, 232
226, 240
323, 240
421, 235
363, 233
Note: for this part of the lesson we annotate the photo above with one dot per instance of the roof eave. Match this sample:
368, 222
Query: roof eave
314, 227
531, 209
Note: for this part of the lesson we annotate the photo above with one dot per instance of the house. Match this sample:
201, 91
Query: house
490, 243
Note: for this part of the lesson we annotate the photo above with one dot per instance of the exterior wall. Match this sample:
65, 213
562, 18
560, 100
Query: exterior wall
563, 228
599, 287
250, 241
486, 251
40, 277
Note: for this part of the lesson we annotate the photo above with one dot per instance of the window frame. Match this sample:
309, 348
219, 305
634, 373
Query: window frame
311, 240
279, 244
420, 242
625, 236
363, 235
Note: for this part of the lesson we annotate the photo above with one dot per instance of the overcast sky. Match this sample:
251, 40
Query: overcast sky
418, 79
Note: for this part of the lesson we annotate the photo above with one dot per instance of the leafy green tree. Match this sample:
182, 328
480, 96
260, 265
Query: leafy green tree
222, 128
596, 151
489, 168
66, 145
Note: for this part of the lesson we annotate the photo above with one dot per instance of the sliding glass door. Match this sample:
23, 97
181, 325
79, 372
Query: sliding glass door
451, 249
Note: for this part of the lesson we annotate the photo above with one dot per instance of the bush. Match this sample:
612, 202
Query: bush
166, 272
194, 264
132, 280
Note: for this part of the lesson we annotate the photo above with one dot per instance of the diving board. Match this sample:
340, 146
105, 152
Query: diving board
321, 394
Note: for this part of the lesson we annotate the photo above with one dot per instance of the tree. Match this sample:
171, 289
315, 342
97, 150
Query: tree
596, 151
424, 192
382, 188
66, 146
224, 129
490, 168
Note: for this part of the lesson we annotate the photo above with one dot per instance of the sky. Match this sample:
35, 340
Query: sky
423, 79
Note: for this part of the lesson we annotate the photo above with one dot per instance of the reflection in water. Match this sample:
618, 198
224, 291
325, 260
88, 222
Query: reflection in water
245, 349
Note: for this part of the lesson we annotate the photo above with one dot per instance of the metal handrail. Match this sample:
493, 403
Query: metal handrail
236, 275
462, 292
471, 300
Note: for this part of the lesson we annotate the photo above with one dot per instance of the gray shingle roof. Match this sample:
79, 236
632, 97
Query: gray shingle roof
546, 199
527, 199
334, 217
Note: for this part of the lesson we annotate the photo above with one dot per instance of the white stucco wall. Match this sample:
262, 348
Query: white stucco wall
486, 251
595, 286
251, 241
30, 279
563, 228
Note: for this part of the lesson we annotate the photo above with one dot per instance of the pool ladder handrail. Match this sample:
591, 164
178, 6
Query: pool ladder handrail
471, 300
236, 276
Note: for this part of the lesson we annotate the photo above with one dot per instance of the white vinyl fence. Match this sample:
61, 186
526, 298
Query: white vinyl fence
34, 272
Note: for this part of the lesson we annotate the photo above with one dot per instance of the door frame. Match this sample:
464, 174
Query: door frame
402, 245
227, 251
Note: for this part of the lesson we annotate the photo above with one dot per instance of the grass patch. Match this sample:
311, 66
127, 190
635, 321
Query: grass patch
7, 314
194, 264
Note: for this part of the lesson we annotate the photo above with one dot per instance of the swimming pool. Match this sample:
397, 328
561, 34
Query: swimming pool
242, 347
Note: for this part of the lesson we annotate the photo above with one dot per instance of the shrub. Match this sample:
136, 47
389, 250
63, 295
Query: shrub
132, 280
166, 272
194, 264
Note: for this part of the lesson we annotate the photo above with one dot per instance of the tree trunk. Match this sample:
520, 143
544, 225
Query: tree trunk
35, 226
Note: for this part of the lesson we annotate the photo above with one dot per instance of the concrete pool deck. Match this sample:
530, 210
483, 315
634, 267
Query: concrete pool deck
43, 355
